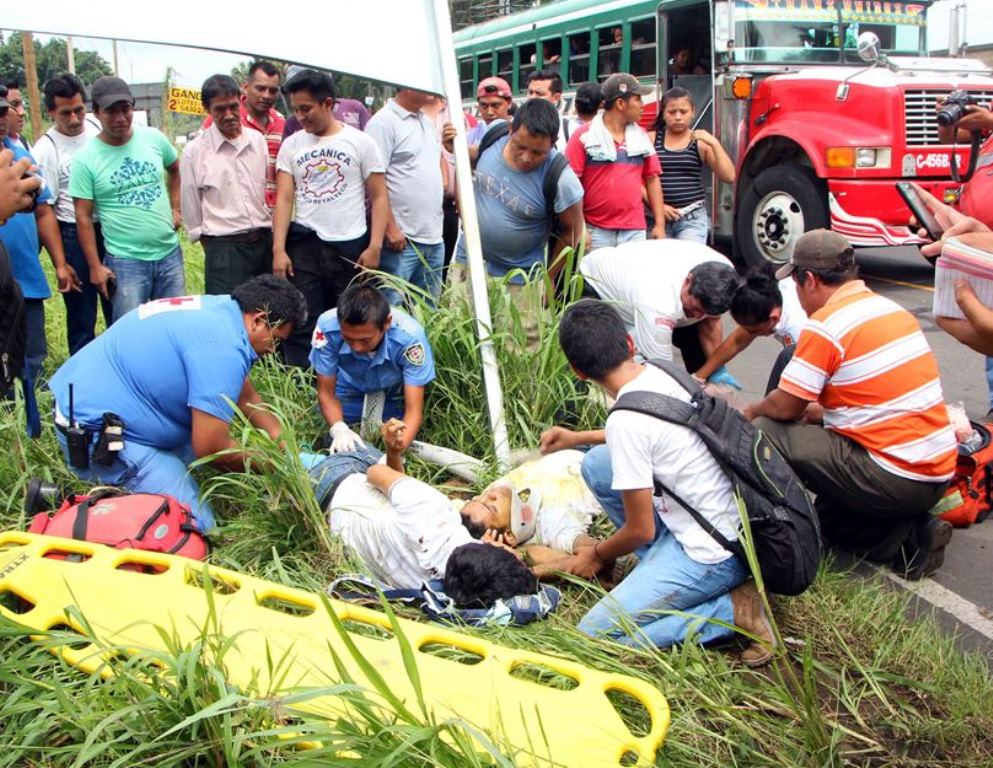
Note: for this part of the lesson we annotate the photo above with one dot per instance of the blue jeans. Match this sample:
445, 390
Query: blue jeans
141, 281
327, 475
143, 469
420, 264
665, 579
694, 226
36, 348
81, 306
610, 238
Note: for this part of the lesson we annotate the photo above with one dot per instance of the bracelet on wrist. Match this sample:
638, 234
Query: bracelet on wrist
597, 554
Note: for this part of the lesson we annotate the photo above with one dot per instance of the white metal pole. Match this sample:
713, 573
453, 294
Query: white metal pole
70, 55
470, 228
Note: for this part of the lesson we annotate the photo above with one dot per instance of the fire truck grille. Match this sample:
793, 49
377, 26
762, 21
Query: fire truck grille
919, 113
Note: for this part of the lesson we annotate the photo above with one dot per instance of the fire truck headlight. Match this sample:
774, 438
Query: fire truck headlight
872, 157
865, 157
858, 157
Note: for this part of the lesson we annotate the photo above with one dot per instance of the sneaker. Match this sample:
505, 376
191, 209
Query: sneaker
750, 617
921, 560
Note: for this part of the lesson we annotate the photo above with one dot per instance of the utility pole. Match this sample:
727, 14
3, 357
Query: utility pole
31, 77
116, 73
71, 55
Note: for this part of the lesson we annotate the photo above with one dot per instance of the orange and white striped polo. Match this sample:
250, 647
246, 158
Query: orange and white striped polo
865, 359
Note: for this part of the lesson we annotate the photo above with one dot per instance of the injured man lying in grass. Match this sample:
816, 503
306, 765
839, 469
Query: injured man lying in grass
407, 532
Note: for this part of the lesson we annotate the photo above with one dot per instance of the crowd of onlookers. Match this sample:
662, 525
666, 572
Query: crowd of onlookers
290, 211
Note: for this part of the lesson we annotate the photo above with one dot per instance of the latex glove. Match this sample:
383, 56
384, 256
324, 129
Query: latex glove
311, 460
723, 376
343, 439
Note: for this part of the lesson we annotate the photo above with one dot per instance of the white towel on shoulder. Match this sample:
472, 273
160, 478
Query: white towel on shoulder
600, 144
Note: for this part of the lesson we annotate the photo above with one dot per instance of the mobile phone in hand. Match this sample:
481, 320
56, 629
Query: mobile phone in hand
917, 207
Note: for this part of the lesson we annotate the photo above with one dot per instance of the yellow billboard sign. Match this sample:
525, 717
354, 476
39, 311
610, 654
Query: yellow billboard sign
185, 100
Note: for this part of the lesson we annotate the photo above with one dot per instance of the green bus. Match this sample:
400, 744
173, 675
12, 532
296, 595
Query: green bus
582, 40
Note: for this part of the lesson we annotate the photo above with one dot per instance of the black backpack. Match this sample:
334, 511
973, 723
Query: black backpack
784, 525
13, 325
550, 187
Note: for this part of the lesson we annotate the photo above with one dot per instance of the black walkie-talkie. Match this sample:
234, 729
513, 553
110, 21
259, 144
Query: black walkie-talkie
77, 438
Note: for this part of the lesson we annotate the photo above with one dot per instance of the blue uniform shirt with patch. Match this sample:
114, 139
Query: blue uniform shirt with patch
155, 364
403, 357
20, 235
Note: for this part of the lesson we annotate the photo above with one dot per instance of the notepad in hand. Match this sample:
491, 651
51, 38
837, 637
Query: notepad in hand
959, 261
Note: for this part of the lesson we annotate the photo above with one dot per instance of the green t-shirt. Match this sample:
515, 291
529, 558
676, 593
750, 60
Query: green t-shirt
129, 194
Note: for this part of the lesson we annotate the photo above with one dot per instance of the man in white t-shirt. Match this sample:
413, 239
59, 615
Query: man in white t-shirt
319, 232
681, 568
763, 306
668, 293
406, 533
65, 97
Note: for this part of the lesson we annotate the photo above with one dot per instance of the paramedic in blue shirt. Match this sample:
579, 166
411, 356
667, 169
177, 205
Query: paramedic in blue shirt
364, 346
172, 369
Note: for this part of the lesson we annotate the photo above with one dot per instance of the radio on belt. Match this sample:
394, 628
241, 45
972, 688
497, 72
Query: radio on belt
77, 439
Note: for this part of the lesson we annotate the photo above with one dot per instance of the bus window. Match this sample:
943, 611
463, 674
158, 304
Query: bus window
527, 55
643, 48
505, 65
485, 66
579, 58
551, 52
465, 78
609, 59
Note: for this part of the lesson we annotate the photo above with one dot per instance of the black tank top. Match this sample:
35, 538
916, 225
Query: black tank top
681, 168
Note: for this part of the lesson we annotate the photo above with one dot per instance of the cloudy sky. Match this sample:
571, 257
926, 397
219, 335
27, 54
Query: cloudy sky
979, 19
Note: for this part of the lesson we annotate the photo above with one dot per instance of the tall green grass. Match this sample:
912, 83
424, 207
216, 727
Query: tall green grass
857, 684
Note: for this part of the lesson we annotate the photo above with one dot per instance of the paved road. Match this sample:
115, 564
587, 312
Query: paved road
963, 588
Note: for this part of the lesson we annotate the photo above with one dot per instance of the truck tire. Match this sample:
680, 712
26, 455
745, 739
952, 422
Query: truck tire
782, 203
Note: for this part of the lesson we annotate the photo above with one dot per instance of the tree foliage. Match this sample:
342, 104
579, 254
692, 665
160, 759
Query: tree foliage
51, 59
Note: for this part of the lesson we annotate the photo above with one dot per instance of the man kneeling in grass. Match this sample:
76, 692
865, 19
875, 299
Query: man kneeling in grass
685, 583
407, 532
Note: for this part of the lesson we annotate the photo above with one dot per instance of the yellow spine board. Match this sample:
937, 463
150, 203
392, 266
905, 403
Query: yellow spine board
127, 608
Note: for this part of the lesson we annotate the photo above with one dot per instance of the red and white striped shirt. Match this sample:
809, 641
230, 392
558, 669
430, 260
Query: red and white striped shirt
865, 359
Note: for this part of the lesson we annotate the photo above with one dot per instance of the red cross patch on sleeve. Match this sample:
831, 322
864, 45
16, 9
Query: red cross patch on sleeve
318, 340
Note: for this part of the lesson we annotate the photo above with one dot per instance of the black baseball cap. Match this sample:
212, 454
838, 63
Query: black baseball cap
622, 84
108, 91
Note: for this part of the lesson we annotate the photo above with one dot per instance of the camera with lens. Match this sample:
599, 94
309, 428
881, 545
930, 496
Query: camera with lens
953, 107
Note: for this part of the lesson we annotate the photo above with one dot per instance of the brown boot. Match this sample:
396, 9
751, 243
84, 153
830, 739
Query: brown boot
749, 615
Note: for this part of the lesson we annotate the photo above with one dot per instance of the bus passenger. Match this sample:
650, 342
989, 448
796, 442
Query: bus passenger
682, 151
613, 158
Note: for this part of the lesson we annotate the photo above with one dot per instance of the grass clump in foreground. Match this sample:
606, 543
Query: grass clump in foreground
863, 686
